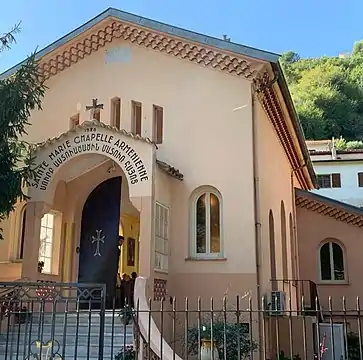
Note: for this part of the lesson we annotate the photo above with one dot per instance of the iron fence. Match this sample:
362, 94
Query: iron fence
296, 291
70, 321
44, 320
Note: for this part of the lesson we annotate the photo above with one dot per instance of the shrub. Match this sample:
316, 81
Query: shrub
353, 346
224, 335
354, 145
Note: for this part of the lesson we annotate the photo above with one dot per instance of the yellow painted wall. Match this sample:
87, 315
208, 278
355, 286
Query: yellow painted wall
130, 229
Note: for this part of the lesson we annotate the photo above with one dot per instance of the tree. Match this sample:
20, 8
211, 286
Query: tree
328, 93
19, 95
357, 47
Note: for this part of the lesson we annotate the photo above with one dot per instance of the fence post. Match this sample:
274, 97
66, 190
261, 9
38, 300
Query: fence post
102, 322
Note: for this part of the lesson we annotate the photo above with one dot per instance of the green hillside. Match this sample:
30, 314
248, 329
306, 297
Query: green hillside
328, 93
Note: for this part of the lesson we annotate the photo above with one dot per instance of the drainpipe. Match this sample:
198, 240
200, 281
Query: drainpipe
294, 221
257, 216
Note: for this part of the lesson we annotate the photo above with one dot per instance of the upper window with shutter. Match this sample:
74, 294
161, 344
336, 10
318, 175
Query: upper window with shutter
158, 120
74, 121
360, 179
329, 180
116, 112
136, 117
335, 180
97, 114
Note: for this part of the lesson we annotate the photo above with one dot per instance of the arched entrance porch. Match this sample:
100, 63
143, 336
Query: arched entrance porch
69, 168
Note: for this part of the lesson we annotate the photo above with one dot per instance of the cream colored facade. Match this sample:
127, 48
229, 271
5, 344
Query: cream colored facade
230, 137
217, 130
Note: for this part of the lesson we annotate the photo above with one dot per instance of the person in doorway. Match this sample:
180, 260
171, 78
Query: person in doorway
120, 242
125, 290
132, 288
118, 292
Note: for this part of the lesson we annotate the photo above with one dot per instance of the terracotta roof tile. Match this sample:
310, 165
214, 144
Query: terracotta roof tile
338, 210
170, 170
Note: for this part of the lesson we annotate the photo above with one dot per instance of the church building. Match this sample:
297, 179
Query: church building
174, 155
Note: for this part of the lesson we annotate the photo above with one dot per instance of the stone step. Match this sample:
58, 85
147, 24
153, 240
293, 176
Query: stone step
81, 336
69, 322
73, 320
79, 357
49, 327
69, 340
82, 353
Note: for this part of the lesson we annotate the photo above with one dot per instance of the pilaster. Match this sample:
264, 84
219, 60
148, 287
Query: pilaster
34, 213
145, 206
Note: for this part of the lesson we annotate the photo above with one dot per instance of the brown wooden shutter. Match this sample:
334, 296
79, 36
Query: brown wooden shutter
138, 119
97, 115
360, 179
335, 179
158, 124
74, 121
116, 112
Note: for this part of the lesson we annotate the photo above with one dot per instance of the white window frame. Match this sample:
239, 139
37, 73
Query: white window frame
51, 242
193, 224
164, 253
332, 280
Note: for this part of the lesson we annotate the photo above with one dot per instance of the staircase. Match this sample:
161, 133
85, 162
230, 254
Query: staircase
72, 335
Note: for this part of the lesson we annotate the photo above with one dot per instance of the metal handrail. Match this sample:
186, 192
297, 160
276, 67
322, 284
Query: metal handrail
8, 294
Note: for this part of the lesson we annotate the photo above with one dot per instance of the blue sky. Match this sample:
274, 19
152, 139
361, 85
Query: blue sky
309, 27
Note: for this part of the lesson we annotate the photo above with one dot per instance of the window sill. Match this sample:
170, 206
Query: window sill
206, 259
332, 282
160, 271
48, 277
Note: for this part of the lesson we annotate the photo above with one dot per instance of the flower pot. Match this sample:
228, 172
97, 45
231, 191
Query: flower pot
208, 350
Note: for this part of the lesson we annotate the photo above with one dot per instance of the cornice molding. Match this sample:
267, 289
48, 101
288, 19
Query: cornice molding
266, 93
109, 30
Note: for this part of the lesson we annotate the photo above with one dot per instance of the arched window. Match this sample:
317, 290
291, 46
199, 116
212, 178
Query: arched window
331, 258
293, 249
271, 226
285, 272
206, 223
20, 250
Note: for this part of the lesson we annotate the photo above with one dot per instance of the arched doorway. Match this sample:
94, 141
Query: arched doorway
98, 251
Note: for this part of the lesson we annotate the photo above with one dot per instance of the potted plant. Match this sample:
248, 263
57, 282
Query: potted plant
208, 348
126, 314
40, 266
214, 337
127, 352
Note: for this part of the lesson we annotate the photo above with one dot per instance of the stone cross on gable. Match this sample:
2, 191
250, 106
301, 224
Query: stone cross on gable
94, 108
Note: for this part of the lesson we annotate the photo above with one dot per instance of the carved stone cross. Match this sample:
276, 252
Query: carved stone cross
93, 108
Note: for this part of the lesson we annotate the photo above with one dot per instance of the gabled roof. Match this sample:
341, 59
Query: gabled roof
223, 55
157, 26
323, 205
